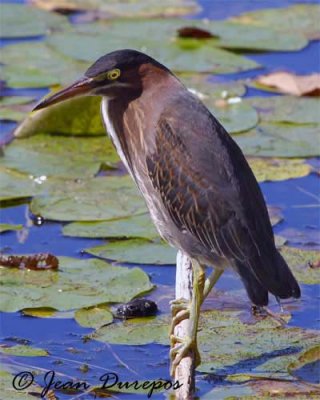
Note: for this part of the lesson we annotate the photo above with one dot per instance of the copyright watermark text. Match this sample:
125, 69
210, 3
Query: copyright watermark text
23, 380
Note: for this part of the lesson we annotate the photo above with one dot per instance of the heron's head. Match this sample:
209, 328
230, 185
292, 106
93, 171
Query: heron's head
120, 73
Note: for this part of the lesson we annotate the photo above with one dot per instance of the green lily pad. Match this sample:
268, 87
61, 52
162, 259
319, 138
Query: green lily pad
88, 43
132, 226
14, 108
96, 199
136, 251
125, 8
235, 117
272, 169
61, 156
311, 355
263, 388
18, 20
235, 35
10, 227
203, 86
15, 185
79, 116
37, 65
24, 351
8, 392
303, 18
279, 140
47, 312
249, 342
135, 331
287, 109
224, 102
303, 263
77, 284
93, 317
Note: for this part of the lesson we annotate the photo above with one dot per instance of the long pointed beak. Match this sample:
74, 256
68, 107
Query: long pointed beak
79, 88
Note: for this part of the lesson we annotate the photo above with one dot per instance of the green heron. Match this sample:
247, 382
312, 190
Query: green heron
199, 189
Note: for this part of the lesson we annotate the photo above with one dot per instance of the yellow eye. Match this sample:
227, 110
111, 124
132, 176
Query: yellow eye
113, 74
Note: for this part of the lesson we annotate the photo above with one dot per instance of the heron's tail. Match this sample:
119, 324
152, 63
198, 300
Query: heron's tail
282, 283
268, 274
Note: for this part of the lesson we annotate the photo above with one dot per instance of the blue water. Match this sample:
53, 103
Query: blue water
60, 336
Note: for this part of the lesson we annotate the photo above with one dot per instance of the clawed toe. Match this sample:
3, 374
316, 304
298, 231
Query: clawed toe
180, 316
179, 305
179, 351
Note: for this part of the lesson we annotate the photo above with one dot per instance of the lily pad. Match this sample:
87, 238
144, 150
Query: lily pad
272, 169
18, 20
96, 199
250, 343
37, 65
125, 8
61, 156
204, 86
15, 185
303, 263
287, 109
136, 251
301, 18
279, 140
23, 350
14, 108
235, 116
234, 35
8, 392
47, 312
132, 226
224, 102
10, 227
136, 331
88, 43
77, 283
308, 357
93, 317
79, 116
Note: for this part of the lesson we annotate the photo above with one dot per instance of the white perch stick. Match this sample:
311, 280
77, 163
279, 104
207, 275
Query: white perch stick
185, 370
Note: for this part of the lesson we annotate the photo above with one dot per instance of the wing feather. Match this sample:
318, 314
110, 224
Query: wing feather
194, 203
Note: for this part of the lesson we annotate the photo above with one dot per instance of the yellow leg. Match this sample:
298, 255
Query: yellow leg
180, 308
182, 346
211, 281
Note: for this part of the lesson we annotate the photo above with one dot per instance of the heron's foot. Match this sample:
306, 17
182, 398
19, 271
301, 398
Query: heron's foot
258, 311
180, 311
180, 349
179, 305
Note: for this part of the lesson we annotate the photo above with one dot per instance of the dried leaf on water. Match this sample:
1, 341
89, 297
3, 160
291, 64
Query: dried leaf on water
35, 262
289, 83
